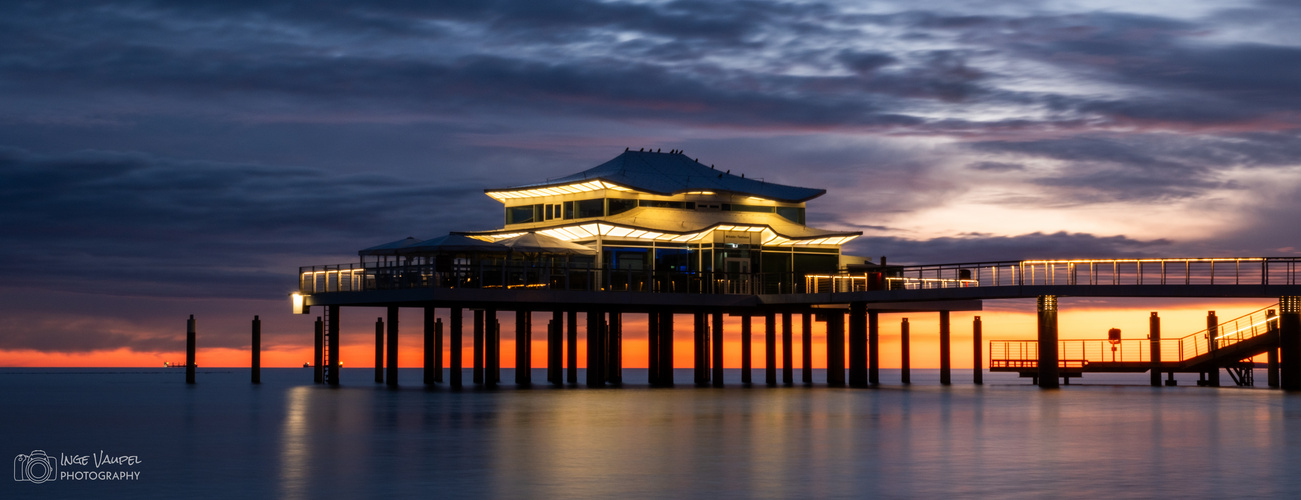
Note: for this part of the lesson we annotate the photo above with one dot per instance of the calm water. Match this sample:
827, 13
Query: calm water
290, 439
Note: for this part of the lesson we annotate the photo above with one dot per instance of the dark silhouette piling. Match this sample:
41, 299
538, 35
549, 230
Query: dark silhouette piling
257, 350
189, 349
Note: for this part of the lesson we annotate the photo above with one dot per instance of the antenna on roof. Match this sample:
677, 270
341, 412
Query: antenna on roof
742, 175
657, 150
711, 165
697, 160
625, 149
729, 171
641, 149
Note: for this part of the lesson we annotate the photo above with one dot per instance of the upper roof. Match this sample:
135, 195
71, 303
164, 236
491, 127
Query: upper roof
672, 173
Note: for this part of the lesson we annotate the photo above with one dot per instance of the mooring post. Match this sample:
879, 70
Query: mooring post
946, 350
858, 344
1048, 371
571, 374
332, 340
788, 350
595, 350
746, 349
717, 344
257, 350
1289, 341
977, 356
835, 348
523, 340
454, 347
1271, 356
614, 365
379, 350
806, 347
427, 362
189, 349
491, 348
392, 366
1154, 339
905, 362
770, 348
478, 347
1212, 344
318, 355
438, 347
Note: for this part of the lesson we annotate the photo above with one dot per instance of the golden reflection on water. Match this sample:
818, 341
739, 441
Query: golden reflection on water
295, 445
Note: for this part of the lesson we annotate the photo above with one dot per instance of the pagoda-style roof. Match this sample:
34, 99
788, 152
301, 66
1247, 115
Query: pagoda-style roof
672, 173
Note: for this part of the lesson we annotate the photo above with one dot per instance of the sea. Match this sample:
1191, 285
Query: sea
144, 433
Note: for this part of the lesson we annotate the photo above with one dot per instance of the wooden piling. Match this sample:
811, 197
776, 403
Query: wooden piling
653, 348
379, 350
391, 368
427, 362
747, 363
478, 347
454, 347
835, 348
523, 342
666, 349
788, 350
571, 374
873, 348
806, 347
595, 350
977, 352
858, 344
614, 345
332, 340
717, 343
905, 356
438, 347
946, 350
1212, 332
770, 349
491, 349
318, 354
700, 349
257, 350
1154, 346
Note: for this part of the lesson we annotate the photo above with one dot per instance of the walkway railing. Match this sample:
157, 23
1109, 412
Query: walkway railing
1082, 352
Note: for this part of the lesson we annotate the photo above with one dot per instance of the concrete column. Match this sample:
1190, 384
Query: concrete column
946, 357
614, 365
746, 350
653, 348
257, 350
873, 348
788, 349
666, 349
977, 352
318, 355
454, 347
1154, 339
438, 347
379, 350
477, 374
1289, 342
571, 374
392, 368
427, 361
1271, 357
1048, 370
1213, 331
523, 342
332, 340
556, 348
806, 347
190, 339
717, 344
595, 350
700, 349
491, 348
835, 348
770, 348
905, 362
858, 344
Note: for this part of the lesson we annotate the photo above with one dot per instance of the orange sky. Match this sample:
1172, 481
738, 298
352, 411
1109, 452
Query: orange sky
1078, 320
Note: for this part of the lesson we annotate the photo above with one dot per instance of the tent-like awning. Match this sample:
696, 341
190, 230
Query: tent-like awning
454, 243
390, 248
543, 244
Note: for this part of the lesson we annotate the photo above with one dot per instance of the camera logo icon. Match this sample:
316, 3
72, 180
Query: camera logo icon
35, 467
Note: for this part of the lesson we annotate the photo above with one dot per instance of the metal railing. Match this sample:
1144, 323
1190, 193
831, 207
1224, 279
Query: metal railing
514, 275
1025, 353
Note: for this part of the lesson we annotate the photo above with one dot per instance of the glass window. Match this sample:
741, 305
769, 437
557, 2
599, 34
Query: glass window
618, 206
520, 215
793, 214
569, 209
590, 208
550, 212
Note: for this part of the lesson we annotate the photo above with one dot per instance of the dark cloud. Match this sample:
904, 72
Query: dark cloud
986, 247
994, 166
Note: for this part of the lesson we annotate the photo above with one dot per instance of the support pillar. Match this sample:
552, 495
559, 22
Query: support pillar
190, 334
835, 348
666, 349
858, 344
556, 348
746, 350
1289, 341
717, 344
438, 347
770, 349
392, 368
428, 345
700, 346
332, 340
1212, 344
523, 344
1154, 340
653, 348
873, 348
379, 350
318, 354
454, 347
977, 352
946, 358
571, 374
1048, 370
806, 347
491, 348
788, 371
614, 345
1271, 357
257, 350
905, 362
478, 346
595, 350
